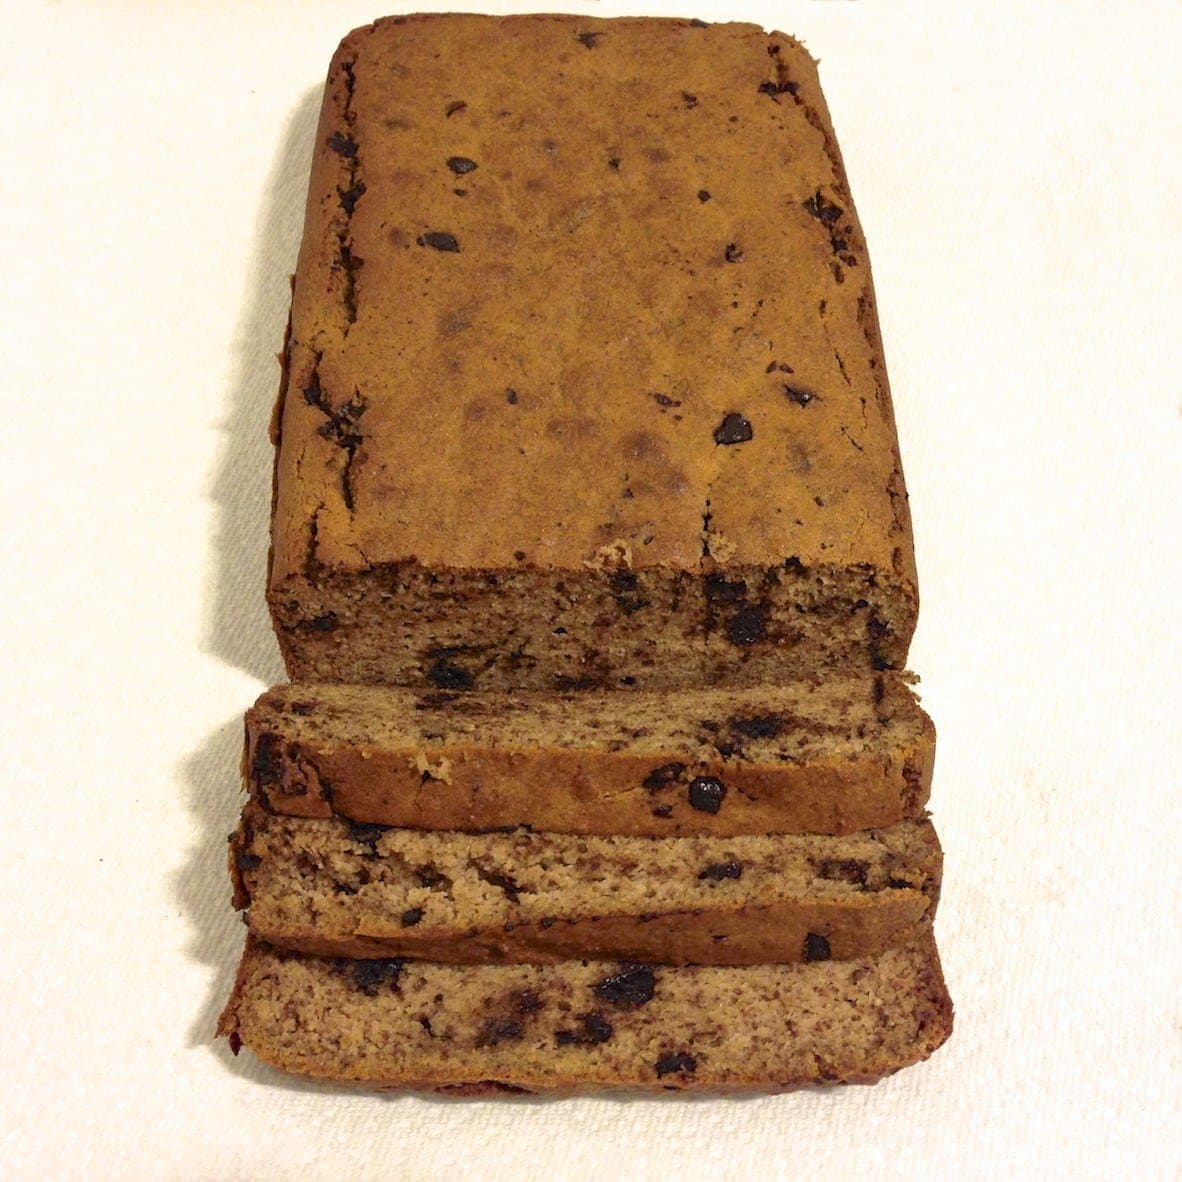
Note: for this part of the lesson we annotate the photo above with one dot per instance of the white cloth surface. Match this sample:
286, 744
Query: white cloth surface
1017, 170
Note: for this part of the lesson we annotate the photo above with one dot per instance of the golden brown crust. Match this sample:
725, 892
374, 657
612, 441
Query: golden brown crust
526, 359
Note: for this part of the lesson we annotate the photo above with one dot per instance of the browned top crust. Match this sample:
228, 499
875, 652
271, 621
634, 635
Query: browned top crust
582, 291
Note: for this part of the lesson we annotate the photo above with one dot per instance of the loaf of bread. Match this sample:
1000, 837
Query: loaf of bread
588, 1025
835, 756
337, 888
584, 385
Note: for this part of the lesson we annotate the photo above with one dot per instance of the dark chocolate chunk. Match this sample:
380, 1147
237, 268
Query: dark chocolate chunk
823, 210
411, 916
690, 100
747, 626
498, 1030
547, 922
501, 881
793, 563
366, 834
815, 947
235, 1042
629, 988
461, 164
448, 676
759, 726
721, 590
703, 195
734, 428
439, 240
669, 1064
351, 196
720, 870
370, 975
247, 861
324, 623
452, 108
797, 395
706, 794
663, 776
699, 24
342, 145
614, 164
843, 870
588, 39
596, 1029
266, 765
734, 253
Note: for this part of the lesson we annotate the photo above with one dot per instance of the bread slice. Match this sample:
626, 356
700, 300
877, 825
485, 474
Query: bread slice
832, 756
584, 384
589, 1025
339, 888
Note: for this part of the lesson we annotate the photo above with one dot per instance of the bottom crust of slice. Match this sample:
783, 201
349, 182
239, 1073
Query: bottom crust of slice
586, 1026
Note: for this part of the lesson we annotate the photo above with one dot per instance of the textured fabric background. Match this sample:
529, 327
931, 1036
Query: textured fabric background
1017, 168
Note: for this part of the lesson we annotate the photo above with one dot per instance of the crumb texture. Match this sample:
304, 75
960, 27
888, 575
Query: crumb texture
586, 1025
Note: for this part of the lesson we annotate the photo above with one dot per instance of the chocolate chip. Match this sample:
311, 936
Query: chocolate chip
371, 975
698, 24
793, 563
690, 100
759, 726
733, 253
815, 947
428, 876
733, 429
235, 1042
501, 881
769, 88
797, 395
342, 145
452, 108
669, 1064
629, 988
351, 196
461, 164
438, 240
614, 164
324, 623
588, 39
663, 776
822, 210
547, 922
448, 676
720, 870
721, 590
498, 1030
366, 834
706, 794
266, 765
843, 870
411, 917
665, 400
596, 1029
247, 861
703, 195
747, 626
511, 397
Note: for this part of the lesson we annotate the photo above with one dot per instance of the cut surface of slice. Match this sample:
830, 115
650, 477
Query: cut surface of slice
341, 888
832, 756
589, 1025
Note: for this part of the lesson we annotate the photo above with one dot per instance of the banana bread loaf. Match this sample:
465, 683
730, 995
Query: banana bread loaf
337, 888
588, 1025
584, 385
836, 756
